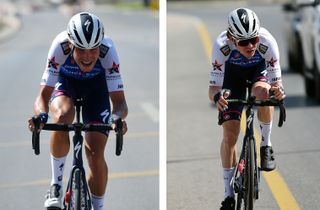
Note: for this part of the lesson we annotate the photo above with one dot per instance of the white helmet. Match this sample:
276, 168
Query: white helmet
85, 30
243, 24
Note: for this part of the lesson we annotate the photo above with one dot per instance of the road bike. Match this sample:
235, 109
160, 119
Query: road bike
246, 178
77, 196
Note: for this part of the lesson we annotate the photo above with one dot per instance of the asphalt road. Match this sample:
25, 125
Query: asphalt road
194, 174
134, 176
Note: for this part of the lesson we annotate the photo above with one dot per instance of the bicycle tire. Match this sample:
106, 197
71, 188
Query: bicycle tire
249, 197
76, 191
239, 201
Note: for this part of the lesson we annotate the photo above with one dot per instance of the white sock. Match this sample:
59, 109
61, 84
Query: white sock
227, 176
265, 133
57, 166
97, 202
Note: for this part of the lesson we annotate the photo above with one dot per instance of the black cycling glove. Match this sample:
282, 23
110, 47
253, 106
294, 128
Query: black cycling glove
216, 97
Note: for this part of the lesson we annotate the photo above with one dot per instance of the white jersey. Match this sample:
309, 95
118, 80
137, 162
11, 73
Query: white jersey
60, 60
224, 51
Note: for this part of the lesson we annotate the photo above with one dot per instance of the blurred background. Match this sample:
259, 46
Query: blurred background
193, 135
27, 29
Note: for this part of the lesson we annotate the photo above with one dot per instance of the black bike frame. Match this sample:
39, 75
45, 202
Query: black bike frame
249, 136
78, 161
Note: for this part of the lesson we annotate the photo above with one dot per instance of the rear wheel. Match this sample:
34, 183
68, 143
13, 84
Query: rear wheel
239, 201
249, 175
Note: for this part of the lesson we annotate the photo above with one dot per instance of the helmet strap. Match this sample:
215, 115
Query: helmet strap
72, 50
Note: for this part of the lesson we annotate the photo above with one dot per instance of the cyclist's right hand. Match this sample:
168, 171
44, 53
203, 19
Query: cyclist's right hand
220, 99
37, 121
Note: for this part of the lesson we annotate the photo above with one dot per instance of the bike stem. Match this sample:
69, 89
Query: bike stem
77, 138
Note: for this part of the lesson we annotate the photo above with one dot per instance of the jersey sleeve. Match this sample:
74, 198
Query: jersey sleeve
56, 56
110, 62
219, 52
271, 53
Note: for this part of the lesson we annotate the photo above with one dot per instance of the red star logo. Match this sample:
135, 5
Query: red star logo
271, 62
114, 68
52, 63
216, 66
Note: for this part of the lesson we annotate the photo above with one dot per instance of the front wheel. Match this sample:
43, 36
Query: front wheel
76, 190
249, 197
77, 196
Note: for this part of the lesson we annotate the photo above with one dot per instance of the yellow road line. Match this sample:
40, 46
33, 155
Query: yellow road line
111, 176
203, 32
276, 183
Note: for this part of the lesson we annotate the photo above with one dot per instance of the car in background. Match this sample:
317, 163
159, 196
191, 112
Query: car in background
303, 42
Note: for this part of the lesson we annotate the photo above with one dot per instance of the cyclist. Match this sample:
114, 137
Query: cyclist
82, 62
245, 51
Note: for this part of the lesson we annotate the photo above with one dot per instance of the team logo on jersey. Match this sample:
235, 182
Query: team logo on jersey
225, 50
271, 62
65, 47
103, 50
52, 63
114, 68
263, 48
216, 66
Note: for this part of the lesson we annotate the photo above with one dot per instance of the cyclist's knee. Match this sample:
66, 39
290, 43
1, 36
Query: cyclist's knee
62, 109
261, 90
61, 116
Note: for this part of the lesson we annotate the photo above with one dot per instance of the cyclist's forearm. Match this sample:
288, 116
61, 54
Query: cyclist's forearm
40, 106
277, 84
212, 91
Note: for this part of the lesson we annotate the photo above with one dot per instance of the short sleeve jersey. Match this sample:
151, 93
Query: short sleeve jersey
224, 51
60, 60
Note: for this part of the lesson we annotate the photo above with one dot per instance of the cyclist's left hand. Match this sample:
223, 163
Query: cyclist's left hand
278, 91
124, 127
114, 118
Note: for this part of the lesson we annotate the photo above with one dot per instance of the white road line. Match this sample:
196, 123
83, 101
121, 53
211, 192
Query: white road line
151, 110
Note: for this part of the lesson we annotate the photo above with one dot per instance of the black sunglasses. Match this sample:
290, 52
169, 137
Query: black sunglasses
244, 43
